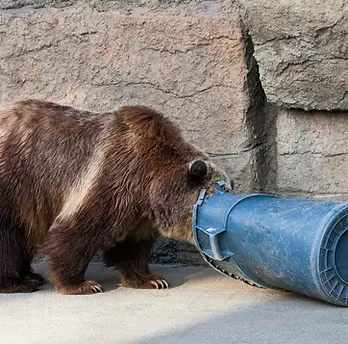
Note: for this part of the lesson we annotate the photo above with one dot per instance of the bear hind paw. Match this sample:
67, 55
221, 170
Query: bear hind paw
26, 285
36, 278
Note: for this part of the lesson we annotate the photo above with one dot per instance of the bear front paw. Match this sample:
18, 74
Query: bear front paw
14, 285
150, 282
158, 282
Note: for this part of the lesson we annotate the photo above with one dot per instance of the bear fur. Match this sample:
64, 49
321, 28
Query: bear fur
74, 183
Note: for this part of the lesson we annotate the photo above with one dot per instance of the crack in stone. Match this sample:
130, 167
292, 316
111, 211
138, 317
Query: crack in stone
46, 46
325, 28
174, 51
345, 94
158, 88
276, 39
189, 49
314, 154
292, 64
254, 145
213, 155
26, 52
260, 124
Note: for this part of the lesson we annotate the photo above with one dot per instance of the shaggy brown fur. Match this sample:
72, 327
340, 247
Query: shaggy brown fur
76, 183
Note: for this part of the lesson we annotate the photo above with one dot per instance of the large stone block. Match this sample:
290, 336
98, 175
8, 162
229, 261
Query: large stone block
302, 51
312, 153
187, 60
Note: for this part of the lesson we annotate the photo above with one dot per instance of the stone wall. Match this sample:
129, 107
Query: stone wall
302, 51
281, 131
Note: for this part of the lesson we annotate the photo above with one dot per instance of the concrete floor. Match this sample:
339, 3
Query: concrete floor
201, 307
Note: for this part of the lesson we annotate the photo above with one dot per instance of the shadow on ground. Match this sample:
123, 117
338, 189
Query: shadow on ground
288, 319
202, 307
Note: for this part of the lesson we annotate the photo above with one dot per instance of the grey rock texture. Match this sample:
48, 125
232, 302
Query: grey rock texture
302, 51
312, 154
16, 4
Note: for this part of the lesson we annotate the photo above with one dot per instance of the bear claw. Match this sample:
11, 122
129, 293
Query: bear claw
97, 288
154, 283
150, 282
160, 283
87, 287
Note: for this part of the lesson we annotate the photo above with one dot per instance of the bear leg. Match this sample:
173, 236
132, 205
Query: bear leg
131, 258
15, 259
70, 250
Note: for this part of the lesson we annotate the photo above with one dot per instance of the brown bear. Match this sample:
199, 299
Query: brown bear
75, 183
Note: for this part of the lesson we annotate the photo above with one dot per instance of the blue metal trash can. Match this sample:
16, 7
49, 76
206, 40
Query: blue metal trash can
298, 245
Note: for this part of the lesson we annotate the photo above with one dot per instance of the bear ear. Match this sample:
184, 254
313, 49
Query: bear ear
198, 168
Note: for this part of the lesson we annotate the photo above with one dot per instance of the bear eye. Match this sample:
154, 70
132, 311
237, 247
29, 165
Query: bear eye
198, 168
